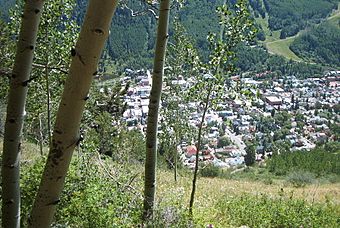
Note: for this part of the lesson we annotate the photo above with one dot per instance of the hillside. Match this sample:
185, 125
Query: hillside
132, 37
292, 47
320, 44
107, 194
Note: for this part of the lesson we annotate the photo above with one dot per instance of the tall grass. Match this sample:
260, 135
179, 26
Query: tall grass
263, 211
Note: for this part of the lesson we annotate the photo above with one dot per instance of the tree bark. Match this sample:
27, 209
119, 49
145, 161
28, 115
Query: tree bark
152, 124
15, 113
85, 57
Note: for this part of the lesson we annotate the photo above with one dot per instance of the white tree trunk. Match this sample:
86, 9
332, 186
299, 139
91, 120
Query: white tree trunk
85, 57
15, 113
155, 96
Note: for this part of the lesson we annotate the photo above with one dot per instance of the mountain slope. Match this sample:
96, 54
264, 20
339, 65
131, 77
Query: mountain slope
131, 40
321, 44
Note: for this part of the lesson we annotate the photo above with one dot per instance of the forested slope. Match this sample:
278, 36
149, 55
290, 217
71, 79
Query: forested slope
292, 16
321, 44
132, 39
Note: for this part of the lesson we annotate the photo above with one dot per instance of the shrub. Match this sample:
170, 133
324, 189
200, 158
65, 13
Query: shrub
263, 211
223, 141
268, 181
92, 197
320, 161
249, 158
300, 178
210, 171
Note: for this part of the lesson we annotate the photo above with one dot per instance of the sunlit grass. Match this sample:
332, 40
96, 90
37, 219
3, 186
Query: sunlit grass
281, 47
29, 151
212, 190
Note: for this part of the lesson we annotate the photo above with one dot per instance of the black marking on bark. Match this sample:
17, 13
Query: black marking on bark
73, 52
11, 120
58, 132
25, 83
150, 146
81, 60
19, 147
11, 201
56, 153
14, 76
59, 177
86, 98
99, 31
36, 11
31, 47
95, 73
53, 202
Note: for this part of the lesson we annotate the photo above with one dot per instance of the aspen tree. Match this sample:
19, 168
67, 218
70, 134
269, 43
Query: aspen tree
155, 96
85, 57
15, 113
236, 27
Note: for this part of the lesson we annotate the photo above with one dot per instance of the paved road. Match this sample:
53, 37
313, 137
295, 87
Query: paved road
237, 140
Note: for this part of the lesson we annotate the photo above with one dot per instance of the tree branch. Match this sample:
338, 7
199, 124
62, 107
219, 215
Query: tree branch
38, 65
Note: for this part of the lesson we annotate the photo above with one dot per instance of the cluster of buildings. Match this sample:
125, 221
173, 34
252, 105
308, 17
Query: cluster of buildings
298, 112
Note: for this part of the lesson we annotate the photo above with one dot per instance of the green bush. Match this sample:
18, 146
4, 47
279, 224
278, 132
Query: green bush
263, 211
320, 161
300, 178
268, 181
210, 171
92, 197
223, 141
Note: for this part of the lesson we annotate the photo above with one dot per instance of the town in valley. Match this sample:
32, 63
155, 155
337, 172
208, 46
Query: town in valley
271, 114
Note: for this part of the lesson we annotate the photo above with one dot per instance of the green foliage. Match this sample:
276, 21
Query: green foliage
92, 197
131, 40
170, 210
200, 18
289, 14
264, 211
300, 178
102, 126
258, 60
249, 158
182, 59
223, 141
7, 48
210, 171
319, 44
318, 161
56, 36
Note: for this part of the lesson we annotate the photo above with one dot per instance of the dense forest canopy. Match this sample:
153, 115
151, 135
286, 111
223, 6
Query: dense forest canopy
301, 13
131, 41
321, 44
